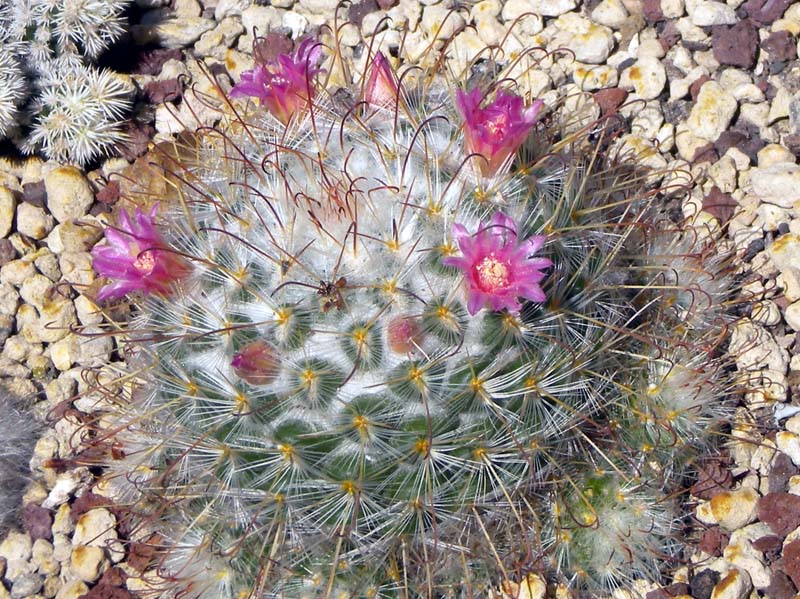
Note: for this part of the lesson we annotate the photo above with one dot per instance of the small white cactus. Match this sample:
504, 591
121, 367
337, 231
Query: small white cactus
72, 109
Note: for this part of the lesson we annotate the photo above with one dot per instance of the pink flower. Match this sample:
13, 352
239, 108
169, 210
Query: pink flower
496, 131
382, 88
498, 269
136, 258
283, 85
256, 363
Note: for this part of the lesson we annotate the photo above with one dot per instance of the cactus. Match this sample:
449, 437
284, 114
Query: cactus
12, 90
418, 345
18, 433
70, 109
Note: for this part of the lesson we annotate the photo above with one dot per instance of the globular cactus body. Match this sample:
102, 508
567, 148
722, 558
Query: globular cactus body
385, 349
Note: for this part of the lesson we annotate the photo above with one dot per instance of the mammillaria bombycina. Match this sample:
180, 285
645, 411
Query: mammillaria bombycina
416, 352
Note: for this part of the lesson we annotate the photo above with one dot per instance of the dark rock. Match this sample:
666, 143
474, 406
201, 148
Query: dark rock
110, 586
695, 46
694, 88
764, 12
721, 206
781, 46
776, 67
610, 99
729, 139
669, 35
151, 61
780, 587
267, 47
7, 252
781, 511
86, 502
706, 153
358, 11
38, 522
792, 143
790, 562
34, 193
744, 136
137, 139
109, 193
651, 10
141, 555
770, 546
753, 248
713, 476
702, 584
713, 541
677, 111
387, 4
735, 45
165, 90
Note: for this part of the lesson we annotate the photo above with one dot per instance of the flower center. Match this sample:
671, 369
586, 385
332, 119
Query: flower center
497, 126
145, 262
492, 274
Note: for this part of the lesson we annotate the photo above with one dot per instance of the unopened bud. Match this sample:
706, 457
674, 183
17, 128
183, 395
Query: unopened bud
404, 334
256, 363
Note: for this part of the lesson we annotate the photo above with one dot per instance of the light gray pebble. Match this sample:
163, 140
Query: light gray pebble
708, 13
9, 298
179, 32
17, 271
76, 268
230, 8
47, 264
42, 556
33, 221
7, 324
69, 194
13, 368
27, 585
8, 206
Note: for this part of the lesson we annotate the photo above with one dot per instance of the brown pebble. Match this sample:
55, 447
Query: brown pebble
780, 587
651, 9
764, 12
790, 562
781, 46
610, 99
780, 511
735, 45
694, 88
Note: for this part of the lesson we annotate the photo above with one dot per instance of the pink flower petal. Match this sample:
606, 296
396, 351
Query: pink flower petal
498, 268
496, 131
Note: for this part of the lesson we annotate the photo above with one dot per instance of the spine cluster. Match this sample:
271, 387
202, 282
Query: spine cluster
419, 343
52, 98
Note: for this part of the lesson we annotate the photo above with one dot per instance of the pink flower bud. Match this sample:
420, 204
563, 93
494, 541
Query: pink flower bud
136, 258
404, 334
285, 84
498, 269
382, 88
256, 363
496, 131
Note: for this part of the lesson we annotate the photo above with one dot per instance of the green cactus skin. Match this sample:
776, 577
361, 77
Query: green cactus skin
494, 444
